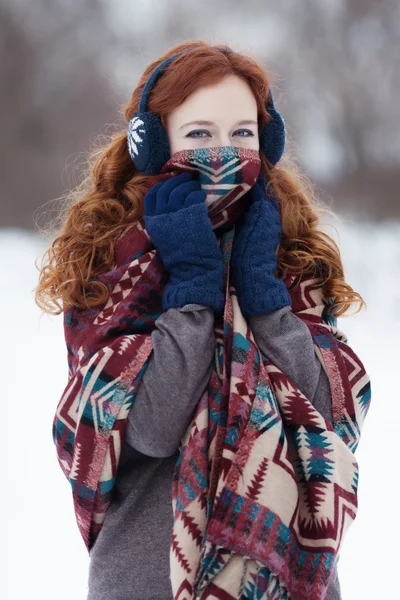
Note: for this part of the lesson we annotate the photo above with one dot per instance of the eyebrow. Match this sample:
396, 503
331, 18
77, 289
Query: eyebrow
245, 122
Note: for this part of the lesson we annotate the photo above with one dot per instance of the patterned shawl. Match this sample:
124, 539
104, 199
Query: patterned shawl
265, 488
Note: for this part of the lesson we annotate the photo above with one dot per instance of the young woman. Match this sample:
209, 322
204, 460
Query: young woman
205, 366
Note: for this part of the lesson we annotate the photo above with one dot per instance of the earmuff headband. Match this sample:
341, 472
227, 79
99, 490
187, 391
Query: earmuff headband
148, 141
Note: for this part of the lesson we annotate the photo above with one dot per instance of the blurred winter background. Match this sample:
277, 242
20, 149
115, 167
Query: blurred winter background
65, 69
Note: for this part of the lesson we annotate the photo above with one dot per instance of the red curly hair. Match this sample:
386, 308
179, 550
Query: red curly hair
110, 199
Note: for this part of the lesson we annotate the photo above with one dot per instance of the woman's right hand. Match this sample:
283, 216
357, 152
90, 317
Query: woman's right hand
175, 193
176, 219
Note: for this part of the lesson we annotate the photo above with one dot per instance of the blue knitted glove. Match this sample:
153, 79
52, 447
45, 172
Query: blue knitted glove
253, 260
177, 221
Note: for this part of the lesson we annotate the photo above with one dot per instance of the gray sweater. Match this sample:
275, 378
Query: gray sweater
130, 559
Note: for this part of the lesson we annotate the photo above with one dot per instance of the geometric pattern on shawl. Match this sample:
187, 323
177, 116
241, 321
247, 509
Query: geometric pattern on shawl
265, 488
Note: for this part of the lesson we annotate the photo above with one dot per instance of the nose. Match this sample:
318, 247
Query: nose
222, 139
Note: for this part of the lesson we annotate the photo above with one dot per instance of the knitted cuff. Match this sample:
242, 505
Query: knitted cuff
178, 295
273, 296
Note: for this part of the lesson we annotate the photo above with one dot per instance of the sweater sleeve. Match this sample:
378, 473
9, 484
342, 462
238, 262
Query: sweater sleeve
174, 381
287, 342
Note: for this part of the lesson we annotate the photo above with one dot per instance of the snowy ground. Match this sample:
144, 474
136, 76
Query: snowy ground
45, 553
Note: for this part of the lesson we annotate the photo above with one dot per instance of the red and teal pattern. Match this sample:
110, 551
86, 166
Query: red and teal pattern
226, 174
265, 488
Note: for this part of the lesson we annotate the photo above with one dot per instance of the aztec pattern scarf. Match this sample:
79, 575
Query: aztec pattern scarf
225, 173
264, 489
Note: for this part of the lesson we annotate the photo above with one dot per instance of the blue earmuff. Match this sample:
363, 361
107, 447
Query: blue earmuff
148, 141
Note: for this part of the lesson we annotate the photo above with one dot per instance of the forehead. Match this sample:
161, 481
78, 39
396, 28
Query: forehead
230, 98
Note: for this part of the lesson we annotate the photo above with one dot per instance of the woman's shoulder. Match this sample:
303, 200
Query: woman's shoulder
132, 241
130, 228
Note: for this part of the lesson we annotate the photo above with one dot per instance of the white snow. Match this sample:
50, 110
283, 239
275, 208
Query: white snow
45, 554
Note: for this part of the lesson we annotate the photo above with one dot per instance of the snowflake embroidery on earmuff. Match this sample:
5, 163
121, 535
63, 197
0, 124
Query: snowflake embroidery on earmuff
134, 139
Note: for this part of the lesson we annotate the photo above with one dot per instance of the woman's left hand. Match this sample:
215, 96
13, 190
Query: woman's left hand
253, 261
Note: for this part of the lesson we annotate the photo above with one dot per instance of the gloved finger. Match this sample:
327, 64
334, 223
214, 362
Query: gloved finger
196, 197
272, 197
173, 182
257, 193
178, 195
150, 199
157, 197
267, 189
261, 180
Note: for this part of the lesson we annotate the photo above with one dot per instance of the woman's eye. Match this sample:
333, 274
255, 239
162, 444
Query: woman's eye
251, 134
246, 131
197, 131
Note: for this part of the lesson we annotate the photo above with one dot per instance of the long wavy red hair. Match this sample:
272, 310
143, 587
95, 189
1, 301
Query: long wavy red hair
110, 198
